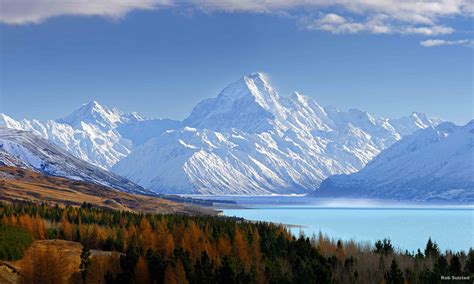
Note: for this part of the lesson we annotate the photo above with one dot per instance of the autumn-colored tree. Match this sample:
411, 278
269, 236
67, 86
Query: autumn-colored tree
340, 251
12, 220
4, 221
170, 275
124, 237
224, 246
45, 265
94, 237
57, 267
26, 222
66, 228
40, 228
325, 246
196, 235
142, 275
180, 273
255, 245
165, 241
257, 256
185, 240
240, 248
168, 245
131, 234
146, 238
83, 231
28, 274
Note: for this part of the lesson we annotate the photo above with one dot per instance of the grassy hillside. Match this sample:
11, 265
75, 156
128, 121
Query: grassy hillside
18, 184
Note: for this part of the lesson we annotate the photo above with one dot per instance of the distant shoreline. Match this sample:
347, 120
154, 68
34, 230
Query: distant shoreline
301, 201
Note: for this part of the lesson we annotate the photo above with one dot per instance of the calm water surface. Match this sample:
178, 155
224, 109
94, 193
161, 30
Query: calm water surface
408, 226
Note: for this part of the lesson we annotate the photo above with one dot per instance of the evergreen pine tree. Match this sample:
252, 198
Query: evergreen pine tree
455, 265
469, 267
85, 262
395, 275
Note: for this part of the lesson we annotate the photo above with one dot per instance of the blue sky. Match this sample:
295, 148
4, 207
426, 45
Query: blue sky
160, 58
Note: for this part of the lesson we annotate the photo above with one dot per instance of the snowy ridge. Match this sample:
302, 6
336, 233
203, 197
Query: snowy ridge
94, 113
249, 140
26, 150
433, 164
93, 133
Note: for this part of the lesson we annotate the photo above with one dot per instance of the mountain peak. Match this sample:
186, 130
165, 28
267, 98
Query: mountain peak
257, 76
259, 80
92, 106
94, 113
248, 103
254, 86
419, 115
9, 122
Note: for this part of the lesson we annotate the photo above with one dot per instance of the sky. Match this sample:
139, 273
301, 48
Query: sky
161, 57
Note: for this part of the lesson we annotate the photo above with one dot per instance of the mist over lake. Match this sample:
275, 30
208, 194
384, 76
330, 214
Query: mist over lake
408, 225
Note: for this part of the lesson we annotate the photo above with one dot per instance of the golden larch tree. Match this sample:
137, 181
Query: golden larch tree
142, 275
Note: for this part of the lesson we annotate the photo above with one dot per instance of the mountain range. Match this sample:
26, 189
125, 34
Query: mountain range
93, 133
433, 164
247, 140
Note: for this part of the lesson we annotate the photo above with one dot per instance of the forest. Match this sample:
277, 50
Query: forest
110, 246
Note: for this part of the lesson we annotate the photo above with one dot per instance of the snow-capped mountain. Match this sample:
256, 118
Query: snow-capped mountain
409, 124
93, 133
433, 164
27, 150
98, 115
249, 140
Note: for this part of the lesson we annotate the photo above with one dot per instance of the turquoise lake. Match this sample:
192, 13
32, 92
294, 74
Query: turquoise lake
408, 226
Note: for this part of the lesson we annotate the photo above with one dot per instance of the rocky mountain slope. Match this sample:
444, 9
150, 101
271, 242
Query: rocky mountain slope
26, 150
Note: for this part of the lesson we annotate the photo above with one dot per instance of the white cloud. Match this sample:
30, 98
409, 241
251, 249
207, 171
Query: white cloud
332, 19
429, 30
333, 23
415, 17
440, 42
414, 11
426, 12
37, 11
378, 24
